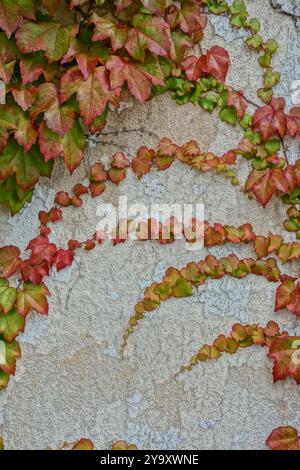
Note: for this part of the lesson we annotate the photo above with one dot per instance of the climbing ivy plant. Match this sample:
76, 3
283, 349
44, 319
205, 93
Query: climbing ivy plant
63, 67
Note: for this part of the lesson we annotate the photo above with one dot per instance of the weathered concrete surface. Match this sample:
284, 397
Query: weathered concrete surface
72, 380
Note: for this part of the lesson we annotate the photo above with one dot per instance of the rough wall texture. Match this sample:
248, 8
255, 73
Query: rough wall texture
72, 380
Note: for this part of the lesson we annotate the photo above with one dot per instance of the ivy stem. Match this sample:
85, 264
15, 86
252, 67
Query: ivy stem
284, 151
253, 103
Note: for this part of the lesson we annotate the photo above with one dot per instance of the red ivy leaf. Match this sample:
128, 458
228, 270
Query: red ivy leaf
215, 62
238, 101
119, 160
293, 122
34, 272
188, 18
106, 29
218, 63
149, 32
24, 96
279, 180
87, 58
139, 79
63, 258
271, 120
93, 94
12, 13
41, 250
294, 304
194, 68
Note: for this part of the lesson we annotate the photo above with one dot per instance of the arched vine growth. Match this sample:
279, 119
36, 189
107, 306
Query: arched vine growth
63, 67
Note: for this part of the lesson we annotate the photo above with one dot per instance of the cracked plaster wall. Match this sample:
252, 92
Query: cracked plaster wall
72, 380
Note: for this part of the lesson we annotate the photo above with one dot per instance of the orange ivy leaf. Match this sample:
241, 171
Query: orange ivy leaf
9, 260
83, 444
284, 294
32, 297
142, 163
285, 353
98, 172
117, 172
284, 438
266, 183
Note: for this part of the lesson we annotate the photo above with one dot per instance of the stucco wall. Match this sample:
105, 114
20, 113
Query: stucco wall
72, 380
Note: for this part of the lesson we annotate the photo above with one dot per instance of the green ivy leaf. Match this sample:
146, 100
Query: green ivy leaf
246, 122
229, 114
11, 324
254, 137
13, 195
254, 25
265, 60
27, 166
183, 288
272, 146
8, 296
255, 42
4, 379
271, 46
265, 95
217, 6
209, 102
271, 79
